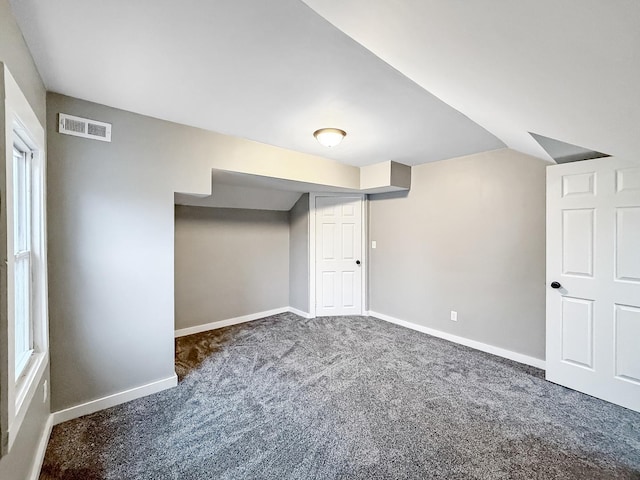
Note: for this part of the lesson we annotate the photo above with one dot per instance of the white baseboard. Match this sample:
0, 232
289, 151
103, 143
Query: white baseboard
38, 456
228, 322
113, 400
484, 347
300, 312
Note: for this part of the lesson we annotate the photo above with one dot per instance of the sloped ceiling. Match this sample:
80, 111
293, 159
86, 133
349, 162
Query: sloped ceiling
271, 71
411, 81
569, 69
563, 152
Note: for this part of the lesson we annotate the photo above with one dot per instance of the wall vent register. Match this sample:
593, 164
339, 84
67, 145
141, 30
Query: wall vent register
84, 127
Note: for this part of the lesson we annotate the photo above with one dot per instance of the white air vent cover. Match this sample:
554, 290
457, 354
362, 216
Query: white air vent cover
83, 127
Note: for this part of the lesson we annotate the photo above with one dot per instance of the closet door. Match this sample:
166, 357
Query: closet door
593, 278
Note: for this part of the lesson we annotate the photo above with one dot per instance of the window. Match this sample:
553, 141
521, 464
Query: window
24, 343
26, 271
23, 322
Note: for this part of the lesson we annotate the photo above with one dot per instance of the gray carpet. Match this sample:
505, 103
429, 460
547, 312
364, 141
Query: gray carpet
347, 398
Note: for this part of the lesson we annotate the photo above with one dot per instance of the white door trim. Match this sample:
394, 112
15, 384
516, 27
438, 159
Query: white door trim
312, 247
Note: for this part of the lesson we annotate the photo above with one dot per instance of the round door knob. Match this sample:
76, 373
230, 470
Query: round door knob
357, 262
555, 285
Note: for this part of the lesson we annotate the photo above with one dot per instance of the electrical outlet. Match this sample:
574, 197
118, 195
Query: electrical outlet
454, 316
45, 391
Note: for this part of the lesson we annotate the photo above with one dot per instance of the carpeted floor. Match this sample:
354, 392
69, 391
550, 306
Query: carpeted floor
347, 398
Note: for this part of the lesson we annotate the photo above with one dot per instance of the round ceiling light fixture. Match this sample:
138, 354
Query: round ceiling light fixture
329, 137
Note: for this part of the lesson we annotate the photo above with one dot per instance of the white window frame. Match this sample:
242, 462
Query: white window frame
22, 127
23, 153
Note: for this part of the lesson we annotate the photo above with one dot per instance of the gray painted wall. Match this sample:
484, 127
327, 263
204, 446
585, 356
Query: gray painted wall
15, 55
111, 252
111, 239
299, 254
469, 236
229, 263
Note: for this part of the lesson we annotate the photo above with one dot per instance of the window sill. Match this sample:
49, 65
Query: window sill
26, 388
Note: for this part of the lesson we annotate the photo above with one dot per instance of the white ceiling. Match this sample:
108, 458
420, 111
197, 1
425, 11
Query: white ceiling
563, 152
234, 196
256, 192
567, 69
274, 71
271, 71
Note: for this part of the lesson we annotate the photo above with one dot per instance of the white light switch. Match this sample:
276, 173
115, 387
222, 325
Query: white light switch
454, 316
373, 244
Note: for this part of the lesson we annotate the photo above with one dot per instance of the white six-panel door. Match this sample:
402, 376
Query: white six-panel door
338, 255
593, 253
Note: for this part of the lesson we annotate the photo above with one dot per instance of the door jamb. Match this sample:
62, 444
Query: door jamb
312, 248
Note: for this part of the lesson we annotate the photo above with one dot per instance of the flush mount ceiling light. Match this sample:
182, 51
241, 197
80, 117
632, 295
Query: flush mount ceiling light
329, 137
